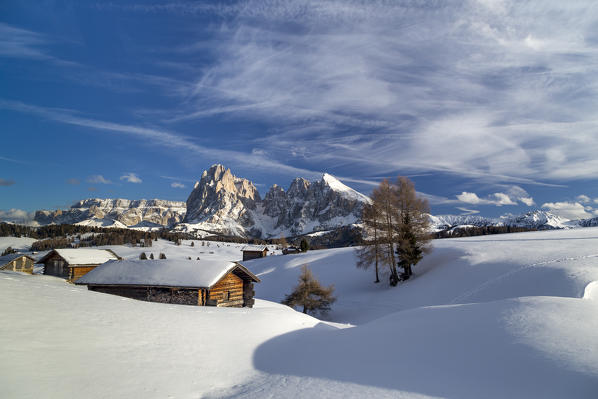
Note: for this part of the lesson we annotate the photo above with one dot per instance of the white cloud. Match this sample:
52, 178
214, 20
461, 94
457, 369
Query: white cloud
131, 178
584, 199
569, 210
177, 185
16, 216
162, 138
498, 199
98, 179
513, 195
500, 83
469, 198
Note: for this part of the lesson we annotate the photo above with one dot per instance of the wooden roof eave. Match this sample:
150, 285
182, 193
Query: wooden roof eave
246, 271
143, 286
46, 256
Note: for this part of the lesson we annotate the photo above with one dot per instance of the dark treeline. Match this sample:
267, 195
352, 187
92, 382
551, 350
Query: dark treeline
67, 235
480, 231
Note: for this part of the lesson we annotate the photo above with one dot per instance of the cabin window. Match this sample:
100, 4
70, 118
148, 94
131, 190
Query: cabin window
226, 296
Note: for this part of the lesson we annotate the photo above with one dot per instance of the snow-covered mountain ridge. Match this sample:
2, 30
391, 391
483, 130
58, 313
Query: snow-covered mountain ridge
227, 204
117, 213
538, 219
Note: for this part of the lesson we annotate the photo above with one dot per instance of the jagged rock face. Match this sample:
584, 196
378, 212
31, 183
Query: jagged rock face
221, 199
224, 203
316, 204
127, 212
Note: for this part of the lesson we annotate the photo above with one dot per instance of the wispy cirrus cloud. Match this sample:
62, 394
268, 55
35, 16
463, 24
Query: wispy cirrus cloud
502, 92
159, 137
177, 185
26, 44
466, 211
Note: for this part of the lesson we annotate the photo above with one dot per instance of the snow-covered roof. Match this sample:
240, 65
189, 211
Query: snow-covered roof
259, 248
83, 256
162, 272
10, 257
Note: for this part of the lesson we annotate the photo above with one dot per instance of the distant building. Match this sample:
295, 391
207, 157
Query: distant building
254, 251
180, 281
291, 250
17, 263
72, 264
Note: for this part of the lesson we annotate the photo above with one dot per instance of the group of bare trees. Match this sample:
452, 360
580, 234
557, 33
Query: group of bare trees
396, 230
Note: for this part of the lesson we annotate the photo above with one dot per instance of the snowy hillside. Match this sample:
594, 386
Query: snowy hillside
19, 243
507, 316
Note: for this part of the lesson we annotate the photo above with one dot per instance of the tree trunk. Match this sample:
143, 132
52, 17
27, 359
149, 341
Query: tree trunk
376, 249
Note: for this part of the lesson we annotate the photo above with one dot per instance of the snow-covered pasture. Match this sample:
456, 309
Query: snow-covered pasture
211, 250
485, 317
20, 243
462, 270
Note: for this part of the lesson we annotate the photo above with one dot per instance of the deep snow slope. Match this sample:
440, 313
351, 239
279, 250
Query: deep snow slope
462, 270
504, 316
62, 341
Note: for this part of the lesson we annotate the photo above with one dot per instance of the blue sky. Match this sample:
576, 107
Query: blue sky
489, 106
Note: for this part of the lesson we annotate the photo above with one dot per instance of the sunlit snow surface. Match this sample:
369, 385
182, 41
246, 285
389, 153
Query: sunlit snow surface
505, 316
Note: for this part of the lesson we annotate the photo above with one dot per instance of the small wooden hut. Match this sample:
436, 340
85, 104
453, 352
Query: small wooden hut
291, 250
17, 263
180, 281
73, 263
254, 251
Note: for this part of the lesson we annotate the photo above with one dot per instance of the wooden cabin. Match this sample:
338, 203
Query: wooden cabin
291, 250
180, 281
254, 251
17, 263
73, 263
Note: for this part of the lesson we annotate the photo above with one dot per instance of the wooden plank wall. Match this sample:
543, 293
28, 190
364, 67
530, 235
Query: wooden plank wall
77, 272
180, 296
51, 270
248, 255
22, 264
232, 284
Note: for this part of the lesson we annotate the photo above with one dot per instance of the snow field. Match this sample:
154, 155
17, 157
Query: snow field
504, 316
63, 341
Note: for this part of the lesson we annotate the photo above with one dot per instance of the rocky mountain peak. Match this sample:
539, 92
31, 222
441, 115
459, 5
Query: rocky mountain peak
231, 205
299, 187
220, 195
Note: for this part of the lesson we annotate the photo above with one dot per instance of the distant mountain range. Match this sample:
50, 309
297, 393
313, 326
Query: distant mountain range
225, 204
537, 219
222, 203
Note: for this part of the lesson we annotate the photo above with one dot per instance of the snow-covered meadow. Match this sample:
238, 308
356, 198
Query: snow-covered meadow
495, 316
